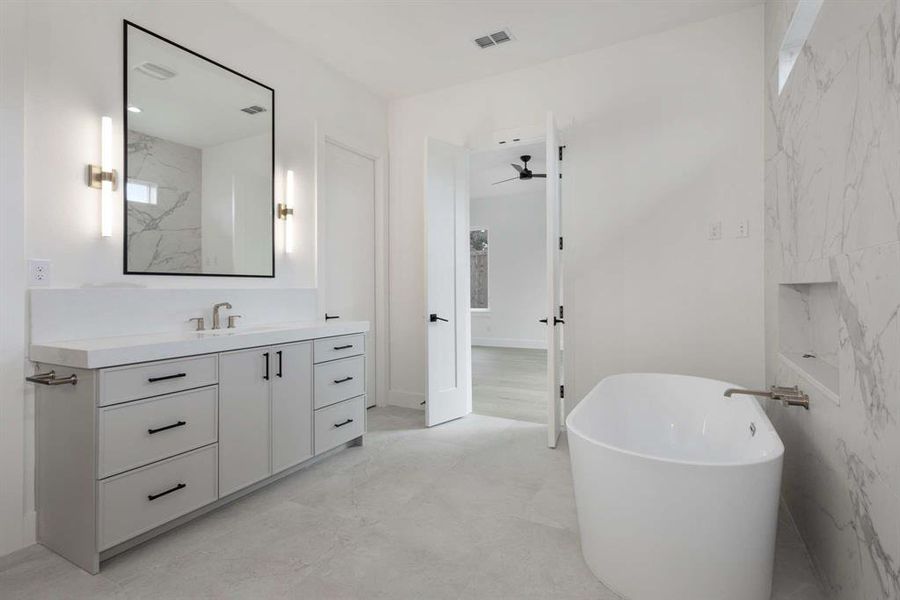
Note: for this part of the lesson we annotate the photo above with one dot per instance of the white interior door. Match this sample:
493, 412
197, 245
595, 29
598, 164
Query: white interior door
347, 243
554, 285
447, 282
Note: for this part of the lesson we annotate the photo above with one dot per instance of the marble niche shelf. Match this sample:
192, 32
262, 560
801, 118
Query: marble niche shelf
808, 338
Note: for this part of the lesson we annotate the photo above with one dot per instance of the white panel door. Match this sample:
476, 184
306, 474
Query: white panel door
447, 287
346, 215
243, 418
292, 410
554, 286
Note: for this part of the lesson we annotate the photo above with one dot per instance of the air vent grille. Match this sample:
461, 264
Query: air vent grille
494, 39
252, 110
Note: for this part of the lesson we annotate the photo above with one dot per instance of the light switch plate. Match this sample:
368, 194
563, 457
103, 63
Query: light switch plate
715, 230
38, 272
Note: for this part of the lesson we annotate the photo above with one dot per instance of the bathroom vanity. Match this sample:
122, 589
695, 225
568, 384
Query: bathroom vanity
137, 434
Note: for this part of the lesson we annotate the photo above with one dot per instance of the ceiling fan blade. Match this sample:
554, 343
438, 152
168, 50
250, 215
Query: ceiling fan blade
505, 180
517, 168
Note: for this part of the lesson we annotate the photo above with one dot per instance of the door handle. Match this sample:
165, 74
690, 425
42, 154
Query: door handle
329, 317
434, 318
558, 321
544, 321
266, 358
280, 359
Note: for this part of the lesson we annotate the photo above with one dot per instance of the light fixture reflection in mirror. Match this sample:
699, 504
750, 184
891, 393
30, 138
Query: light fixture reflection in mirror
287, 210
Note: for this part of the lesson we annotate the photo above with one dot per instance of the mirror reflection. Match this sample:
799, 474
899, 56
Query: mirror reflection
199, 185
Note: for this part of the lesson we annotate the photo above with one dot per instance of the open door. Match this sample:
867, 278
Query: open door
554, 286
447, 282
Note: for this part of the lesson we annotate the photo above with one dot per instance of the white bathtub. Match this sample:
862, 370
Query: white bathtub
677, 496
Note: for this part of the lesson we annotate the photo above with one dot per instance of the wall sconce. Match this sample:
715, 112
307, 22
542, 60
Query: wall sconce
286, 209
103, 176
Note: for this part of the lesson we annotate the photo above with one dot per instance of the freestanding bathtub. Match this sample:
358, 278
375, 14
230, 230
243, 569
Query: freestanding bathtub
676, 488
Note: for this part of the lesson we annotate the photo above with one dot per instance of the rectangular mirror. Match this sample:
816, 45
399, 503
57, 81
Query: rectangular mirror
199, 164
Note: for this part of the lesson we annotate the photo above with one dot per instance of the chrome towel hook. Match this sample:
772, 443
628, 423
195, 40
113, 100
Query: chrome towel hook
49, 378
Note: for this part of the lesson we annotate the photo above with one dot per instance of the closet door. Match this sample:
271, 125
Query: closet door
292, 406
244, 418
346, 213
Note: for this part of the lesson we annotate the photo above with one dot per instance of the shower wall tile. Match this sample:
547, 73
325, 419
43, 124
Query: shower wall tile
833, 214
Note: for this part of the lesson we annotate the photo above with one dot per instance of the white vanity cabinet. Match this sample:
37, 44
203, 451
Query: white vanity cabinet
131, 450
265, 395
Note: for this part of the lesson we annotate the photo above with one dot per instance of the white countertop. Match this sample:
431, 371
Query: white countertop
97, 353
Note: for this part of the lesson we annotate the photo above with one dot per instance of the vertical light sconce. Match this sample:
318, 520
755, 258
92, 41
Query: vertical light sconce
103, 176
286, 209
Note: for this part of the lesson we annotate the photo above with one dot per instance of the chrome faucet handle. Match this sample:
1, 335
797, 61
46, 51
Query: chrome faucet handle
232, 320
201, 324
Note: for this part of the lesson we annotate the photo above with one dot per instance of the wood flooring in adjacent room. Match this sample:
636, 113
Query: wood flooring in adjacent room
510, 383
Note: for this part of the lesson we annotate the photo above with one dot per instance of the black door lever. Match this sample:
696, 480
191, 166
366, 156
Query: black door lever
434, 318
558, 321
329, 317
542, 320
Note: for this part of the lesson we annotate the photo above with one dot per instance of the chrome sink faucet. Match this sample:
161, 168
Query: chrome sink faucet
216, 324
789, 396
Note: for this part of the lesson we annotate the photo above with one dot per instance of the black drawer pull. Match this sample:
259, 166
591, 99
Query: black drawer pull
345, 379
347, 422
172, 426
165, 377
343, 347
153, 497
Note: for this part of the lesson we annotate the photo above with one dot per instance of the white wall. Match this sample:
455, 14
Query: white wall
667, 137
71, 53
517, 270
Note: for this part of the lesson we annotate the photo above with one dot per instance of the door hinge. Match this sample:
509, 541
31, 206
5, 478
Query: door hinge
560, 243
562, 391
561, 152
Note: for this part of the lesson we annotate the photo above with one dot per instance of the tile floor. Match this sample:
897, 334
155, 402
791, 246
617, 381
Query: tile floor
473, 509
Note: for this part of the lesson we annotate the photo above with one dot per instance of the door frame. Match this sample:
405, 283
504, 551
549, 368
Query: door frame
380, 354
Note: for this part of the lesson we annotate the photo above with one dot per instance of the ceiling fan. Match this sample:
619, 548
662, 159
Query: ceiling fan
524, 172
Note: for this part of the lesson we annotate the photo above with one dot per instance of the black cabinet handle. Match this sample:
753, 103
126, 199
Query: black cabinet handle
542, 320
558, 321
266, 357
345, 379
172, 426
165, 377
434, 318
347, 422
153, 497
329, 317
344, 347
278, 374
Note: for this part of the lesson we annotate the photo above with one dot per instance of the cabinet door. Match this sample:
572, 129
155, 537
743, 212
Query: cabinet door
291, 405
244, 417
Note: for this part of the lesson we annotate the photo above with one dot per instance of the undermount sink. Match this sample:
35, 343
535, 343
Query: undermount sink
235, 330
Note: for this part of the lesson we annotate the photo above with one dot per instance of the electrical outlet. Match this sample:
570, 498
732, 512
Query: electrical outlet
743, 228
715, 230
38, 272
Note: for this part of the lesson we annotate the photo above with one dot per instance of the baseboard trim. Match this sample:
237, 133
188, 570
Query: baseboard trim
510, 343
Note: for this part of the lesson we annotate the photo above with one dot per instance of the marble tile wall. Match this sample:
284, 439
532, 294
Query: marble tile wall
165, 237
833, 208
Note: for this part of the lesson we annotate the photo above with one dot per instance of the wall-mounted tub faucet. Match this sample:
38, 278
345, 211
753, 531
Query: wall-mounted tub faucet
789, 396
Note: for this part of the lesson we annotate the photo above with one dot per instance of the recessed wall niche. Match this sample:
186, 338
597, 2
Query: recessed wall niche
808, 333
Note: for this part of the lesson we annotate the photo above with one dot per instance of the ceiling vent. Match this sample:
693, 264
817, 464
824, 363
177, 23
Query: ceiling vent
252, 110
155, 71
494, 39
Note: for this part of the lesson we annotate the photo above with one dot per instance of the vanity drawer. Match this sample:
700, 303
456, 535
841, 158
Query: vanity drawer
121, 384
140, 500
339, 347
340, 423
144, 431
339, 380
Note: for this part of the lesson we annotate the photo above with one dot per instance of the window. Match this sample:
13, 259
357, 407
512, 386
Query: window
142, 192
795, 37
478, 268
